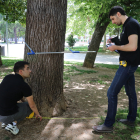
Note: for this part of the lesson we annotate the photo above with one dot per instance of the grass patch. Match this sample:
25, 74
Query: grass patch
138, 70
121, 131
71, 70
74, 63
80, 48
104, 76
108, 66
8, 64
97, 81
85, 48
8, 61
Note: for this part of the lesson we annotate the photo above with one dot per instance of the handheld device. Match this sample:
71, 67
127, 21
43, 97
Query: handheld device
108, 45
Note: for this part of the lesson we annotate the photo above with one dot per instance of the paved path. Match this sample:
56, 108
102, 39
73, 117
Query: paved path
100, 58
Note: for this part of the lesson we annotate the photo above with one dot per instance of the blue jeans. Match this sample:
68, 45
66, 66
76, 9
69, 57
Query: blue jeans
124, 76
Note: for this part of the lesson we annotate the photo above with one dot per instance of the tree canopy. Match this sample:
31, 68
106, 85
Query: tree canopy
13, 10
84, 14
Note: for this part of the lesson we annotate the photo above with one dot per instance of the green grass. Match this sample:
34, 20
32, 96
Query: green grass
82, 48
74, 63
97, 81
8, 61
121, 131
85, 48
104, 76
72, 70
108, 66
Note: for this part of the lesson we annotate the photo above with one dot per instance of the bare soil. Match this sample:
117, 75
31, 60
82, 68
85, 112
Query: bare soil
86, 97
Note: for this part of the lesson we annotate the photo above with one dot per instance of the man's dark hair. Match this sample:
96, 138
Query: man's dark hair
116, 9
19, 66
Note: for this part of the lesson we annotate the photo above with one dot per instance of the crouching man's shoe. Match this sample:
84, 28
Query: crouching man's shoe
12, 128
126, 122
3, 125
102, 128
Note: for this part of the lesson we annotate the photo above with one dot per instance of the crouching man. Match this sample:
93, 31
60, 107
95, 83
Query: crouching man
12, 89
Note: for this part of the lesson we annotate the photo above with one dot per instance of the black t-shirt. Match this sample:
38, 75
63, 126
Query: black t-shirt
12, 89
130, 27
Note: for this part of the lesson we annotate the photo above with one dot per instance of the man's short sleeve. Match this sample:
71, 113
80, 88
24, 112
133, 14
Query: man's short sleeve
26, 90
131, 28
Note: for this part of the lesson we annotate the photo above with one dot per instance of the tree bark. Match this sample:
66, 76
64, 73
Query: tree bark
0, 57
96, 40
45, 32
104, 45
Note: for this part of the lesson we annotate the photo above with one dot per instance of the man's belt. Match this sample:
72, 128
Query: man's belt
123, 63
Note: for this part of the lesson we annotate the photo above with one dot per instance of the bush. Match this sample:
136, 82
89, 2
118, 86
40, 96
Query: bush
70, 40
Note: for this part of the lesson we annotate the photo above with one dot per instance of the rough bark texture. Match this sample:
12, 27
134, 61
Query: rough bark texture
104, 45
0, 57
95, 42
45, 32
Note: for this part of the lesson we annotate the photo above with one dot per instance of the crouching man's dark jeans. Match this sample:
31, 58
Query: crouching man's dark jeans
124, 76
23, 112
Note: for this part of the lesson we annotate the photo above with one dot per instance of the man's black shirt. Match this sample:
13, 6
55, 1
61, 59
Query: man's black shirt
12, 89
130, 27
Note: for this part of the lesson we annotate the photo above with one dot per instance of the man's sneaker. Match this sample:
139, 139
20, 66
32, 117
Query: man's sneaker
126, 122
3, 125
102, 128
12, 128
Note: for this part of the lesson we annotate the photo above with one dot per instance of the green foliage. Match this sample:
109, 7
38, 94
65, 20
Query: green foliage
20, 29
70, 40
14, 10
2, 27
86, 13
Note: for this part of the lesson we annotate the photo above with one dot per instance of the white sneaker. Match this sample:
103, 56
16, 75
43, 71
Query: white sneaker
12, 128
3, 125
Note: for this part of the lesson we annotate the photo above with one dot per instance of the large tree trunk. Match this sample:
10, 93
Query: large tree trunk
96, 40
45, 32
0, 57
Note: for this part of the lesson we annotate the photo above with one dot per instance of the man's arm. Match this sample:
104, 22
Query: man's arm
131, 46
33, 106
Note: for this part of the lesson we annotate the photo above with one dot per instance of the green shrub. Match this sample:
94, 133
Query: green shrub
70, 40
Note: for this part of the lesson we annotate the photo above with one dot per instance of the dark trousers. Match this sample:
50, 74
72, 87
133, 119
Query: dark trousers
23, 112
124, 76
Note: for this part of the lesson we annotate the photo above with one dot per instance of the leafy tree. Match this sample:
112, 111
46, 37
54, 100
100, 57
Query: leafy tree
0, 57
71, 41
16, 30
14, 10
3, 28
98, 10
45, 32
77, 22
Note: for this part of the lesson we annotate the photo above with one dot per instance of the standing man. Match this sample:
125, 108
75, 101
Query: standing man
129, 60
12, 89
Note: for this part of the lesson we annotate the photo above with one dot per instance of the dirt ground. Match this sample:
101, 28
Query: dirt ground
86, 96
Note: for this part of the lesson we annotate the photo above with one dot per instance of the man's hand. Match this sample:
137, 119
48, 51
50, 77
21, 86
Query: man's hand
112, 48
38, 116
